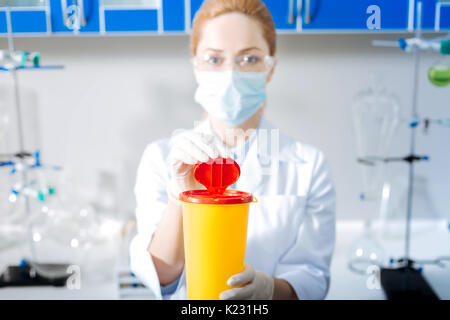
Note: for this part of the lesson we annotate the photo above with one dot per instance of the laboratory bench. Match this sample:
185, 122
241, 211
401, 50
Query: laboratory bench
429, 239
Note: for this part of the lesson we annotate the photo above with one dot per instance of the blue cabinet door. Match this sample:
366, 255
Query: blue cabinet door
444, 17
194, 6
434, 14
31, 19
24, 21
132, 16
357, 15
3, 27
173, 15
131, 20
91, 15
283, 12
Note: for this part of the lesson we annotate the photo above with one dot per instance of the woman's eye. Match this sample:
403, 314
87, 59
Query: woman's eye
250, 59
214, 60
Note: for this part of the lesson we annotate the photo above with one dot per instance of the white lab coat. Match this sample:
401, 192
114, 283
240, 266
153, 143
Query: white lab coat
291, 229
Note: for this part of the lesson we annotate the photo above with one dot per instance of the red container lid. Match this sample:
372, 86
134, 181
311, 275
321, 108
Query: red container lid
205, 197
216, 175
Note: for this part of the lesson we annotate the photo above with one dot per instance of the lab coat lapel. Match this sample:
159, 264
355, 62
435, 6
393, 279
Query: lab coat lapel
269, 153
251, 173
258, 163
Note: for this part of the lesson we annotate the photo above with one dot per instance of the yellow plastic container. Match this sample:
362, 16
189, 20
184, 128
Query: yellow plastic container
215, 237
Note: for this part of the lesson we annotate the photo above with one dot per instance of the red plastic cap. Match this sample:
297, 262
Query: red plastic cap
217, 174
205, 197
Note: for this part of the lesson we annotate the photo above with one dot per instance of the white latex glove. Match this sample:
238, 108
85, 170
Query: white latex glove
257, 286
188, 148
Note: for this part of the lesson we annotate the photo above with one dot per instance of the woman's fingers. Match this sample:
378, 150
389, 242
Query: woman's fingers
191, 147
190, 151
246, 276
200, 146
204, 142
193, 151
179, 155
221, 148
242, 293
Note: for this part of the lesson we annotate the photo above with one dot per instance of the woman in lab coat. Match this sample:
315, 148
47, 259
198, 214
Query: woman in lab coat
291, 229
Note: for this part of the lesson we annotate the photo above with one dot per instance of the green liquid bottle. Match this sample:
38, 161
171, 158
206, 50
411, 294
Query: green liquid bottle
439, 74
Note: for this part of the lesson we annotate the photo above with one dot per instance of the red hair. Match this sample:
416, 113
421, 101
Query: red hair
255, 9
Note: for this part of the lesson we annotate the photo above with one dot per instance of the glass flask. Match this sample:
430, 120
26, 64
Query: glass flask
439, 72
70, 233
5, 120
365, 252
376, 115
12, 212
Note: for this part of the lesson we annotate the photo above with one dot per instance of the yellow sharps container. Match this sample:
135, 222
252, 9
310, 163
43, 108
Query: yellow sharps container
215, 230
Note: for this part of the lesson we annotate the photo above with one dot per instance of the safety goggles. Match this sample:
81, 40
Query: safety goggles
243, 63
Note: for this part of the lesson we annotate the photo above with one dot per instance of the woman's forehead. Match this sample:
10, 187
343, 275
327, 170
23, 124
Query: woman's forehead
232, 32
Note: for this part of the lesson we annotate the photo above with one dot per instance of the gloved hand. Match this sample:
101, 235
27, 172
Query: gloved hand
188, 148
257, 286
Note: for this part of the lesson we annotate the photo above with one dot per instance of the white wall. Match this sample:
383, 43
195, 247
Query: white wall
117, 94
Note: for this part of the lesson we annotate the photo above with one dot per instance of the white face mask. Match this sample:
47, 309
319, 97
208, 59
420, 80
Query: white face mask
231, 96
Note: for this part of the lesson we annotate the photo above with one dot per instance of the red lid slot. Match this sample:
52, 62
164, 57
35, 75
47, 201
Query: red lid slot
217, 174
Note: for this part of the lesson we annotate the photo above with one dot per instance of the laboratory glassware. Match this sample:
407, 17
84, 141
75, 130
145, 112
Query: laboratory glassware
376, 114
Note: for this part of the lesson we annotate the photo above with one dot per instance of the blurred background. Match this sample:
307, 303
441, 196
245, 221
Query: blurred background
118, 94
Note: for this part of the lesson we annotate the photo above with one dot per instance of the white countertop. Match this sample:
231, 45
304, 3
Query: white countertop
429, 240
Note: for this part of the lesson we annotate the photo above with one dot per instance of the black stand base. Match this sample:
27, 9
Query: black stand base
23, 276
406, 283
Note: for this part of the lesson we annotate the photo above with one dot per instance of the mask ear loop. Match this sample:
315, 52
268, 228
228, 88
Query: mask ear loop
270, 61
194, 62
